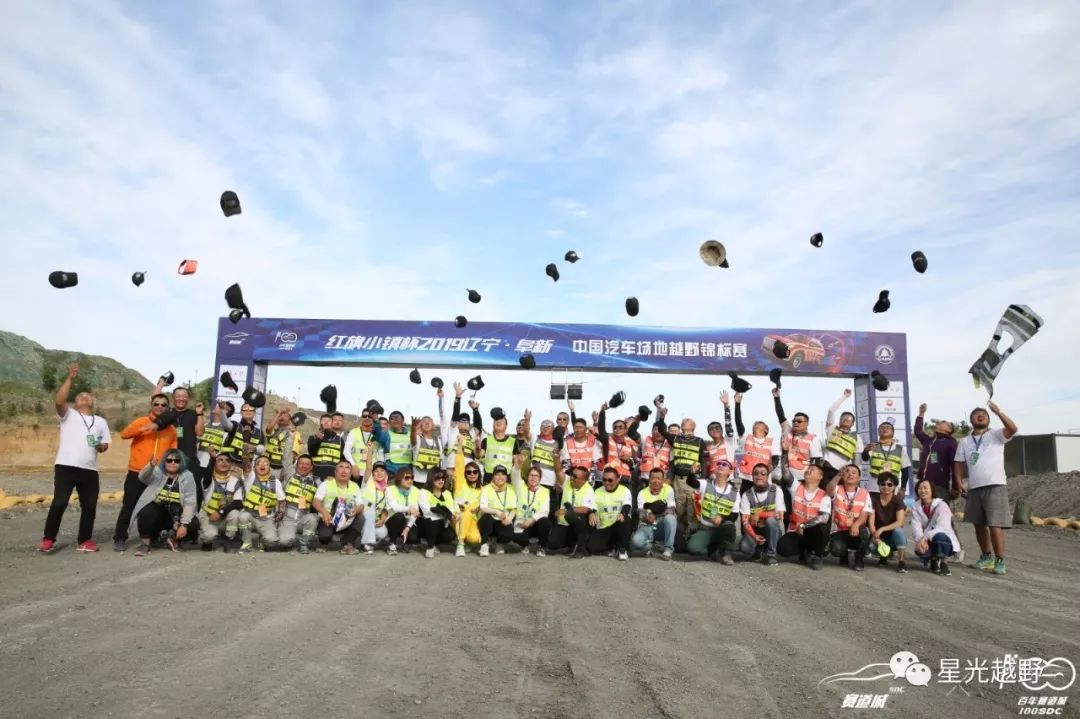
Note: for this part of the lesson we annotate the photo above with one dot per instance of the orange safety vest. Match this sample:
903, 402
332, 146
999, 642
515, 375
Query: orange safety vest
581, 456
717, 453
755, 454
846, 511
803, 509
653, 456
613, 459
798, 457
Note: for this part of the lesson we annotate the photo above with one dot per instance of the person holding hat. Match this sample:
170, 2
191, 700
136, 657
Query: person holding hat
531, 518
498, 507
655, 453
545, 453
887, 519
438, 513
264, 506
717, 530
657, 524
467, 488
356, 447
498, 448
799, 445
938, 452
299, 521
339, 503
151, 436
403, 507
851, 510
722, 444
612, 522
220, 512
427, 449
376, 511
982, 454
244, 437
83, 436
762, 509
189, 425
811, 509
212, 439
396, 442
886, 456
580, 450
572, 526
167, 503
688, 458
327, 446
757, 448
457, 423
618, 449
281, 439
842, 442
523, 446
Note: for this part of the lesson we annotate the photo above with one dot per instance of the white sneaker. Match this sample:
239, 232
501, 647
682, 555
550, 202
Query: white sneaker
611, 553
540, 552
369, 549
484, 550
666, 556
500, 549
429, 553
391, 549
623, 556
460, 551
436, 550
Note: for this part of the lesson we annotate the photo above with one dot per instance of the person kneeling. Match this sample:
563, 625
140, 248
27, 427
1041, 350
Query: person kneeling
887, 520
264, 506
572, 525
338, 502
498, 504
931, 527
531, 521
851, 511
612, 523
720, 507
657, 523
166, 505
220, 513
809, 520
300, 521
438, 513
762, 509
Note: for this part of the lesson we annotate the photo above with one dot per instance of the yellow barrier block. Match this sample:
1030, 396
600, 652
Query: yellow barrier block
1038, 521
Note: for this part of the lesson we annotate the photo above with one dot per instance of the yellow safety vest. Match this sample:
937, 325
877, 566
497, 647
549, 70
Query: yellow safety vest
300, 491
531, 502
684, 454
543, 453
647, 497
275, 449
767, 506
359, 448
217, 498
169, 494
504, 501
716, 503
235, 449
446, 500
261, 494
609, 504
887, 461
498, 452
329, 451
400, 448
425, 457
576, 497
843, 443
468, 446
212, 438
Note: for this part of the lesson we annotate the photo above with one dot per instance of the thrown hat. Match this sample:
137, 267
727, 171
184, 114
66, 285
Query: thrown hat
234, 298
616, 400
437, 382
460, 321
168, 377
632, 306
817, 239
187, 267
235, 316
774, 376
918, 259
475, 384
738, 384
527, 361
414, 376
63, 280
658, 399
572, 257
299, 418
497, 413
230, 407
328, 396
254, 397
643, 412
138, 278
230, 203
227, 382
882, 304
552, 271
780, 349
880, 381
474, 296
713, 254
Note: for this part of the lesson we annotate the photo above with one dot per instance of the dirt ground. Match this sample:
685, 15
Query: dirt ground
195, 634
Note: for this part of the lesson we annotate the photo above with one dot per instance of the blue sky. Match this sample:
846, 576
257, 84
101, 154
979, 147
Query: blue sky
388, 155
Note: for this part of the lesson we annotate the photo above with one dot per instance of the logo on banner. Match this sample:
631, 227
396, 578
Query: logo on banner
286, 340
884, 354
237, 338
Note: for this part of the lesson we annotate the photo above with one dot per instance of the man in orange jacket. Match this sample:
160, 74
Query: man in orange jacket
151, 436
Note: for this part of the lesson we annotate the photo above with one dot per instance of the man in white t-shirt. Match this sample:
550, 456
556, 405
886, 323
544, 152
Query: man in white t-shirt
982, 453
83, 436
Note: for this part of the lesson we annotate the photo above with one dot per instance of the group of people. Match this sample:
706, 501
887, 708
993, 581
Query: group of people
575, 486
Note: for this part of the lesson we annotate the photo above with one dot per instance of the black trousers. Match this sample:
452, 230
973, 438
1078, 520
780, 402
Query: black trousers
617, 536
491, 527
540, 531
133, 489
325, 533
395, 525
574, 532
87, 484
842, 542
153, 519
436, 531
814, 540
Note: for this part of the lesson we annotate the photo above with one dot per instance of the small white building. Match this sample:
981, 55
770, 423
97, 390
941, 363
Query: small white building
1042, 453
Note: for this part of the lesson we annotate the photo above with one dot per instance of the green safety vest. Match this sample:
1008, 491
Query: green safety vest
212, 438
718, 503
609, 504
446, 500
684, 455
530, 502
887, 461
373, 497
401, 499
543, 453
499, 451
843, 443
576, 497
756, 509
329, 451
427, 457
400, 448
217, 499
647, 497
261, 494
505, 501
301, 488
275, 449
235, 449
170, 493
359, 448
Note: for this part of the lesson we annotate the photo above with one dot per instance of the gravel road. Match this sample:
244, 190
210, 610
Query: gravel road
199, 635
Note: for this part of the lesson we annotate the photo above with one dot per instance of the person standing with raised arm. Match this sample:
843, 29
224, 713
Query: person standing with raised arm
937, 456
842, 442
688, 457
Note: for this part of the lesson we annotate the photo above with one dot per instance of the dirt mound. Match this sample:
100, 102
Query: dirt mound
1047, 495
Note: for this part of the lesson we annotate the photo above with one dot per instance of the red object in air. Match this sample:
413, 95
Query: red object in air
187, 267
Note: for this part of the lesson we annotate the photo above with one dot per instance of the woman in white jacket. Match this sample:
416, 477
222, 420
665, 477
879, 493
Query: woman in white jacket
166, 505
931, 527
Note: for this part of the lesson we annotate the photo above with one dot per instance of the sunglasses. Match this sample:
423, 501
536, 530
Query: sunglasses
172, 460
611, 479
797, 419
888, 484
761, 474
159, 404
406, 476
472, 471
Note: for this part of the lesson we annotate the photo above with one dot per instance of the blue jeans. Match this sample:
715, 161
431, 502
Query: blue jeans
940, 546
772, 534
662, 530
895, 538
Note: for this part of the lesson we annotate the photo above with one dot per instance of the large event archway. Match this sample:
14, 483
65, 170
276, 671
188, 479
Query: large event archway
248, 348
